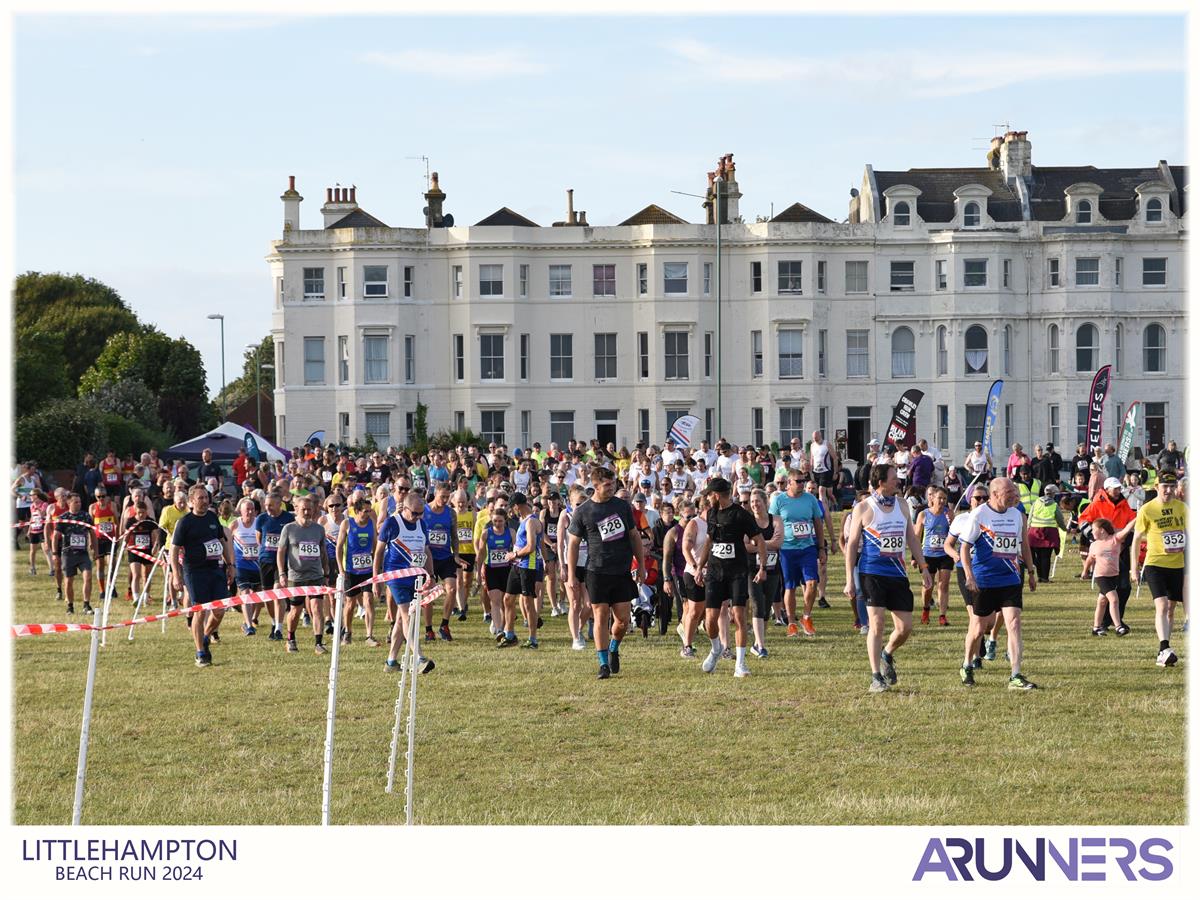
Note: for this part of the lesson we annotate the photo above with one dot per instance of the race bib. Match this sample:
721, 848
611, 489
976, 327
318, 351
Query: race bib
35, 520
891, 545
308, 550
418, 484
418, 558
360, 560
552, 531
496, 558
78, 541
611, 528
1006, 546
141, 541
802, 530
212, 550
327, 476
723, 551
935, 541
464, 535
111, 478
772, 559
1174, 541
439, 538
106, 527
271, 541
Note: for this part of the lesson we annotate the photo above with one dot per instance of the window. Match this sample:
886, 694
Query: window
789, 277
410, 359
900, 214
562, 364
1008, 336
375, 359
791, 353
644, 426
857, 358
1083, 212
943, 362
856, 276
1008, 424
344, 427
314, 284
606, 355
560, 281
343, 359
903, 275
943, 426
820, 276
1154, 212
822, 353
975, 273
410, 273
708, 354
1154, 272
904, 353
1156, 426
756, 354
1087, 270
643, 280
675, 278
523, 357
491, 280
1119, 356
279, 293
975, 350
675, 345
604, 280
823, 419
1054, 424
523, 279
460, 420
379, 428
709, 420
756, 277
280, 367
341, 282
643, 354
1117, 266
491, 426
457, 275
1052, 277
791, 424
491, 357
1087, 347
410, 428
375, 281
314, 360
459, 358
562, 426
526, 425
1052, 349
1154, 348
756, 426
971, 215
939, 274
973, 418
1081, 423
708, 267
1007, 270
675, 414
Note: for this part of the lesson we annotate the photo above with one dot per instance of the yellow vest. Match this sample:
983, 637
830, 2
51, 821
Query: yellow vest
1029, 494
1042, 513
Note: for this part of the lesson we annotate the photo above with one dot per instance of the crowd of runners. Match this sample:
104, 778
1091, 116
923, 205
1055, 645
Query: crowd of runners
717, 539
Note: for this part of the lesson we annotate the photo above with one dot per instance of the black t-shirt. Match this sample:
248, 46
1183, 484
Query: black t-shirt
606, 528
202, 539
211, 470
1081, 463
727, 532
74, 528
379, 473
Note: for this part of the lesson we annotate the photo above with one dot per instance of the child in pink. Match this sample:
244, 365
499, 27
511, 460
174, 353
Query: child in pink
1104, 564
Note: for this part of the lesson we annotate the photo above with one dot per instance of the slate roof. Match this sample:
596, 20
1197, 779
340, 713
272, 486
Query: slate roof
506, 216
1117, 202
654, 215
1179, 173
358, 218
798, 212
937, 187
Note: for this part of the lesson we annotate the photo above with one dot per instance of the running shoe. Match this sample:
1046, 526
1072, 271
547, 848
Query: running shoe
864, 629
499, 637
529, 644
444, 633
392, 666
87, 608
70, 608
202, 661
320, 650
924, 617
614, 661
487, 617
370, 641
989, 647
32, 570
291, 646
758, 651
1122, 629
554, 612
793, 630
740, 671
248, 630
976, 663
1167, 657
215, 637
306, 619
1020, 683
780, 621
424, 665
1099, 632
344, 637
726, 653
807, 625
943, 621
887, 666
462, 615
591, 631
710, 662
878, 685
822, 603
58, 596
603, 673
329, 626
540, 622
688, 652
967, 674
506, 641
578, 644
429, 635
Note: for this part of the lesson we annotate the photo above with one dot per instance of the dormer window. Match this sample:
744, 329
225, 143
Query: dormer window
1154, 210
900, 214
1083, 204
970, 206
971, 215
1083, 213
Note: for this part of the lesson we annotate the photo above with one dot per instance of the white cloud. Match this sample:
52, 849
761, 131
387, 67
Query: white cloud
466, 66
920, 77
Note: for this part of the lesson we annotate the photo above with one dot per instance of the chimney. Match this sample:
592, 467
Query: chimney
582, 219
1016, 156
993, 154
291, 206
339, 202
570, 206
434, 198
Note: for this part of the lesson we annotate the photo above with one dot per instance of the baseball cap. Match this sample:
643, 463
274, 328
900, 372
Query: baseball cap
1112, 483
1168, 477
873, 442
646, 482
1049, 490
639, 498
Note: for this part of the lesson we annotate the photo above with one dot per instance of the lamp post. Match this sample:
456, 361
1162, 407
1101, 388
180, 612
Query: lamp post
224, 399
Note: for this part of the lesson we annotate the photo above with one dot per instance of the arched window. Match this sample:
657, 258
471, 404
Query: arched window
1153, 210
900, 214
904, 353
942, 356
1154, 348
1052, 348
1087, 347
971, 215
1119, 336
975, 345
1083, 212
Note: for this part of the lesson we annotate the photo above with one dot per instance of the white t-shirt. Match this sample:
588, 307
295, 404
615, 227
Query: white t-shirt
822, 460
724, 467
669, 457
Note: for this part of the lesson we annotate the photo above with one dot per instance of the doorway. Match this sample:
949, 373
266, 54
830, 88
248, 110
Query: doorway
606, 427
858, 427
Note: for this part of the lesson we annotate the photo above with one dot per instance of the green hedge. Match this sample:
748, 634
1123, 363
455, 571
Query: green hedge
59, 434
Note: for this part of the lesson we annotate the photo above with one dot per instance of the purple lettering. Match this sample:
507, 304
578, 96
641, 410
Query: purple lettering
934, 860
1092, 859
961, 862
1070, 865
981, 862
1165, 868
1124, 861
1036, 866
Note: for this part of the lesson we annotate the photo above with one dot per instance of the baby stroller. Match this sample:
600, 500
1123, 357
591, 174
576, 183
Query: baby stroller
644, 602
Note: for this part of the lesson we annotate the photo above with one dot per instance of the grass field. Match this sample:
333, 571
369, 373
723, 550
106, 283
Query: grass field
530, 737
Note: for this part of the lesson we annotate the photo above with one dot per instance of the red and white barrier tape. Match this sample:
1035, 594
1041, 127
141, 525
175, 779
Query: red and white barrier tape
153, 559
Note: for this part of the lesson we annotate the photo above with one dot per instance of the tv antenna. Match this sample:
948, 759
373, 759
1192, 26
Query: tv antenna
425, 159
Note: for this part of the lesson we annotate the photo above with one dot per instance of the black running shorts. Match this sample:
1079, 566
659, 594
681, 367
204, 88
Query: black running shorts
522, 582
609, 590
733, 591
892, 594
1164, 582
991, 600
939, 564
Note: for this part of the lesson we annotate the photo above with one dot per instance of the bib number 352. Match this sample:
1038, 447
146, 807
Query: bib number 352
1174, 541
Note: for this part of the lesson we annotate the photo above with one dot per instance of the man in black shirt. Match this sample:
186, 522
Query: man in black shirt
202, 558
210, 469
606, 523
76, 540
1056, 464
724, 580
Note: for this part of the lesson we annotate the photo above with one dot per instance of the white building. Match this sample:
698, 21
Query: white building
940, 279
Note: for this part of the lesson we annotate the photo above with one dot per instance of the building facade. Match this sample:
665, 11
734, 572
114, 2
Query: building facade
938, 279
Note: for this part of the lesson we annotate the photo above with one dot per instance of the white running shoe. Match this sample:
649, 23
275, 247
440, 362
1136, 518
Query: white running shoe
578, 644
679, 631
1167, 657
710, 662
740, 671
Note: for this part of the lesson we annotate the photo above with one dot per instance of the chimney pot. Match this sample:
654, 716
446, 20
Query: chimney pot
291, 182
570, 206
352, 190
328, 195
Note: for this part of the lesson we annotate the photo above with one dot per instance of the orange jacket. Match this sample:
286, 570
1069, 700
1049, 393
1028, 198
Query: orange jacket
1102, 507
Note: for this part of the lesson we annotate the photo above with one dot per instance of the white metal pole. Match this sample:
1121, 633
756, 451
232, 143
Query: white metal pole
86, 728
144, 594
413, 661
391, 777
330, 712
166, 590
114, 566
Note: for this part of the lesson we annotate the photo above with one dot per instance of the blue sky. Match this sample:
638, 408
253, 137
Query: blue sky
150, 151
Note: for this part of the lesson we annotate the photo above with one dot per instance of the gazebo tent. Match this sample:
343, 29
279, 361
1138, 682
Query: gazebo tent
225, 440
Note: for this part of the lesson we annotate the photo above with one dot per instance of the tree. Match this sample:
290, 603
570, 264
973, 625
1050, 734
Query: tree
128, 398
242, 388
40, 371
59, 434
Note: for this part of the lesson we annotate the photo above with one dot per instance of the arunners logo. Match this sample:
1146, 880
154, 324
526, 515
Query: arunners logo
961, 859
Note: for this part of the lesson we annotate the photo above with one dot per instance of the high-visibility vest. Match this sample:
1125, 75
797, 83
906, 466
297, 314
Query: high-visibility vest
1027, 493
1149, 476
1043, 514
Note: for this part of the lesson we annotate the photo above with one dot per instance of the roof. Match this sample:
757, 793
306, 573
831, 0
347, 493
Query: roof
798, 212
654, 215
1179, 173
937, 187
506, 216
358, 218
1118, 199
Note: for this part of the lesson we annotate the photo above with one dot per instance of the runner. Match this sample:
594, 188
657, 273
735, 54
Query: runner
798, 518
1162, 524
23, 489
606, 523
811, 487
994, 539
200, 548
403, 545
355, 557
247, 577
301, 561
823, 463
75, 541
440, 526
881, 524
579, 609
464, 524
492, 550
1102, 564
953, 548
110, 473
933, 525
694, 539
104, 517
549, 528
57, 510
860, 602
144, 535
764, 592
268, 527
39, 512
523, 564
331, 520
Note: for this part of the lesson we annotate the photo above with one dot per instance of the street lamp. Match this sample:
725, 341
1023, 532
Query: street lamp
224, 399
259, 365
